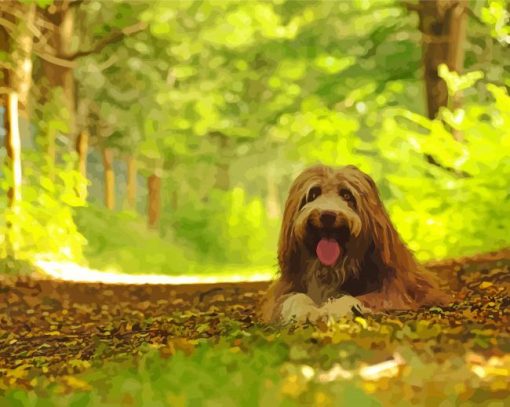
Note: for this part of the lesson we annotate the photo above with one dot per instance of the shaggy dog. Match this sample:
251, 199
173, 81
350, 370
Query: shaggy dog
338, 253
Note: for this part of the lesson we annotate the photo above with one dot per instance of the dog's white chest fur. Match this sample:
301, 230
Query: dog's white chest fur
300, 308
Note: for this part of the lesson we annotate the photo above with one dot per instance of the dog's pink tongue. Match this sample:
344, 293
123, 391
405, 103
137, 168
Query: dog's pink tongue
328, 251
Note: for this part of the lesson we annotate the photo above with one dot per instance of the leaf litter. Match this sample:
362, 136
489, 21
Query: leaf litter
60, 339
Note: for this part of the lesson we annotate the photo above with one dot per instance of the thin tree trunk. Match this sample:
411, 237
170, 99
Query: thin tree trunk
16, 81
61, 17
13, 147
109, 179
224, 147
222, 175
82, 146
154, 200
131, 182
5, 48
456, 52
443, 27
21, 74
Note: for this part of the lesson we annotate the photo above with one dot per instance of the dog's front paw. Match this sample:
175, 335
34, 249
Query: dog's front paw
300, 308
346, 305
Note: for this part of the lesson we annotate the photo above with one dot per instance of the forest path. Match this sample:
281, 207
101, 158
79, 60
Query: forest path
57, 327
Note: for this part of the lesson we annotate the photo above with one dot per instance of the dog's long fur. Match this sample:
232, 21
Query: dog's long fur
376, 266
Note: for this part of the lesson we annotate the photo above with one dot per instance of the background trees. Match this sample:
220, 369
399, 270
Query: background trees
194, 117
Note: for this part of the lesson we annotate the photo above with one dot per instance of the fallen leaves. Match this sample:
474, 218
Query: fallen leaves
485, 284
55, 332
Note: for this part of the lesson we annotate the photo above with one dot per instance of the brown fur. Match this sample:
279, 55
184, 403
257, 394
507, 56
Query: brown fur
377, 267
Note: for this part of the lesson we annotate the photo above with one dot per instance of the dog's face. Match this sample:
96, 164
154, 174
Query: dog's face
332, 217
327, 222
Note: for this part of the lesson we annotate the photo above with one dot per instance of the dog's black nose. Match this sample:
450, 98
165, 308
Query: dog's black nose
328, 218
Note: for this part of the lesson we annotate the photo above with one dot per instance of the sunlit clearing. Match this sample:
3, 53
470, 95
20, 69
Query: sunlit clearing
74, 272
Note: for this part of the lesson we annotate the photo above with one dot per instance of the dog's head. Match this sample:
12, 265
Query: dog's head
332, 218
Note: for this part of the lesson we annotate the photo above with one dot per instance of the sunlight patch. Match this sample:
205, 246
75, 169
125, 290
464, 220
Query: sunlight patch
69, 271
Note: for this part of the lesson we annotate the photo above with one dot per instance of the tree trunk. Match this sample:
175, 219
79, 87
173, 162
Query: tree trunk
13, 147
82, 146
154, 200
21, 55
61, 16
131, 182
5, 48
16, 81
222, 175
223, 153
443, 27
109, 179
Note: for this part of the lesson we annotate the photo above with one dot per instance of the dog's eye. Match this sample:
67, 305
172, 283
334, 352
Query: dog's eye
313, 194
346, 195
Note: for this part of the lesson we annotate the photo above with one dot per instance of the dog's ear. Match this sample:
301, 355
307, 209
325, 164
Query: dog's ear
388, 246
411, 283
288, 255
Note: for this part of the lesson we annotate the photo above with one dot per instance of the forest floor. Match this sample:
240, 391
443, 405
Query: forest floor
82, 344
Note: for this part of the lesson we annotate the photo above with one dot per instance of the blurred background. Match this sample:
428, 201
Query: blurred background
161, 137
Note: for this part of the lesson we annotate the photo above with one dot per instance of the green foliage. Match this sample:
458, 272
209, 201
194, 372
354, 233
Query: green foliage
497, 17
192, 382
39, 3
228, 227
457, 83
261, 89
447, 213
42, 223
121, 242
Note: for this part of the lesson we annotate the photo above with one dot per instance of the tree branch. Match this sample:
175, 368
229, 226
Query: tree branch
8, 25
411, 6
115, 37
432, 160
473, 15
66, 63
